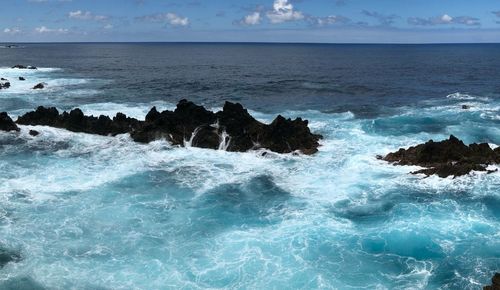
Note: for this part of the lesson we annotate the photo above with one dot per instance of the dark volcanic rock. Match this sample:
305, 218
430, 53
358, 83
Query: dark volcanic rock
22, 79
20, 66
5, 85
446, 158
34, 133
465, 107
232, 128
233, 125
39, 86
6, 123
3, 79
495, 283
76, 121
7, 257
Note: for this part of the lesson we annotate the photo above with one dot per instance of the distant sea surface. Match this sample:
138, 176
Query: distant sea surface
94, 212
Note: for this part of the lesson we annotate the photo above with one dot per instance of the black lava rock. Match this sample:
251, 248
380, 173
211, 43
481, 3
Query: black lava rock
39, 86
6, 123
233, 127
446, 158
20, 66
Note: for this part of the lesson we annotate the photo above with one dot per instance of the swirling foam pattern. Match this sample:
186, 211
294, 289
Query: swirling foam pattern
94, 212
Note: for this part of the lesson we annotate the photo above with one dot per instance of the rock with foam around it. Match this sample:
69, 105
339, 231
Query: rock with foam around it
446, 158
6, 123
232, 129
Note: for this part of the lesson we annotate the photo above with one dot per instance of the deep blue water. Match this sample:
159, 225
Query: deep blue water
93, 212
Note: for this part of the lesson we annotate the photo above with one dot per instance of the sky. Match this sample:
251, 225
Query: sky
323, 21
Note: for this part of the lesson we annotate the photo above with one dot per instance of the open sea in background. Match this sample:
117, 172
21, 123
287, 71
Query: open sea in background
94, 212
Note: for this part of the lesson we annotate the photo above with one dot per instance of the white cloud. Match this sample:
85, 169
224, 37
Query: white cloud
43, 29
328, 20
13, 30
86, 15
251, 19
169, 18
446, 18
283, 11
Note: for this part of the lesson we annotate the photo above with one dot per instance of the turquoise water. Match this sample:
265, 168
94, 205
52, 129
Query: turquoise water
94, 212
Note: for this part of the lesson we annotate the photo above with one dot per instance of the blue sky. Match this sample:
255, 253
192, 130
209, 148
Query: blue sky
329, 21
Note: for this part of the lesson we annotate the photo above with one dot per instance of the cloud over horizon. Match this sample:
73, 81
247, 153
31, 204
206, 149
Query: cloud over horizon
319, 20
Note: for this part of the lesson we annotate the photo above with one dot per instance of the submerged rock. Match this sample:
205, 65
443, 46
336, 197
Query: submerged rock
495, 283
7, 256
446, 158
232, 129
20, 66
465, 107
6, 123
39, 86
20, 283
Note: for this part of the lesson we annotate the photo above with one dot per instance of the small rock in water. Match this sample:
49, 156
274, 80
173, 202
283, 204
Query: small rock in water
39, 86
495, 283
22, 79
446, 158
7, 257
6, 123
20, 66
34, 133
465, 107
5, 85
3, 79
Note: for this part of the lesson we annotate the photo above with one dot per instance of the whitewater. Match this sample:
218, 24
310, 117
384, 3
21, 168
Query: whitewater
96, 212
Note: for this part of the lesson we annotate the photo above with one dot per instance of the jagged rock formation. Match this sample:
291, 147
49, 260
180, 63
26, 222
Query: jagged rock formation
446, 158
39, 86
76, 121
20, 66
4, 84
232, 129
6, 123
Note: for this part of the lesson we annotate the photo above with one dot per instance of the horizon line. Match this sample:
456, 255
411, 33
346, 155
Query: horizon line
245, 42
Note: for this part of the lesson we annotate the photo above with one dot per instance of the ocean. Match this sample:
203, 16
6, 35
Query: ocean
95, 212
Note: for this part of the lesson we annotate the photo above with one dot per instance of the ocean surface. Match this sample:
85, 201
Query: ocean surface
94, 212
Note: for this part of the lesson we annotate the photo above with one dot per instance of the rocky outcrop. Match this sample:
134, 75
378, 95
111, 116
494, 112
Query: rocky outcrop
446, 158
39, 86
6, 123
495, 283
232, 129
20, 66
22, 79
4, 84
76, 121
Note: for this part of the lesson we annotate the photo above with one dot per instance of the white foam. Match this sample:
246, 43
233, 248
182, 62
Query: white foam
136, 110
